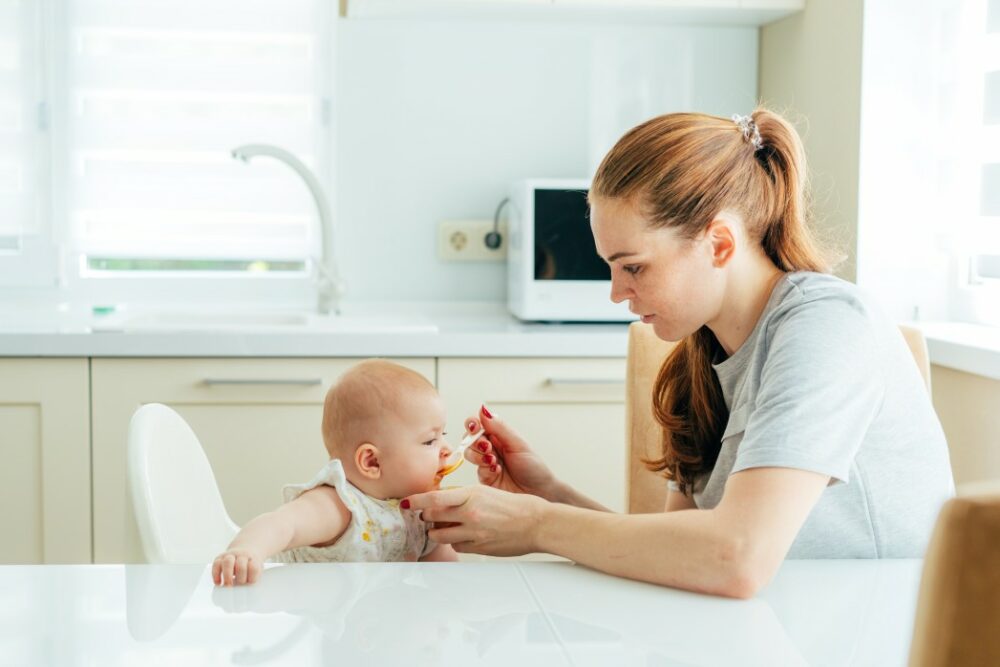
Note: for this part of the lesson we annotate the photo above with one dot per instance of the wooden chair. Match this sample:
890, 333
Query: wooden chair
958, 608
647, 491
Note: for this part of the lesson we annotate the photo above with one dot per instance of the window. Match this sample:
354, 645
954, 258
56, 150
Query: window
158, 93
20, 78
968, 143
26, 256
139, 103
985, 261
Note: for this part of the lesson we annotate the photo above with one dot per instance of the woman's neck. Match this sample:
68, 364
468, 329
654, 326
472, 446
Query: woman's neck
748, 290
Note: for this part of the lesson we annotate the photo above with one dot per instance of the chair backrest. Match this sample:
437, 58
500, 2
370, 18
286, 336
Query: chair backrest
918, 347
646, 490
177, 503
958, 608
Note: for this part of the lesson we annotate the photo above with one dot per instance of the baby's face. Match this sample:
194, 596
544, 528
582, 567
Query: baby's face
412, 445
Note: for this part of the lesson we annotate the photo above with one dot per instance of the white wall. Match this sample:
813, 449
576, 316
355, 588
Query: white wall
810, 70
435, 118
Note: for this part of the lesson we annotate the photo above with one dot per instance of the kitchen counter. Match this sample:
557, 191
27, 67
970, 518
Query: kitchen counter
388, 330
497, 613
469, 329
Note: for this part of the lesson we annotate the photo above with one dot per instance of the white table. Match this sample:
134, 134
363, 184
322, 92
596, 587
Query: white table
493, 613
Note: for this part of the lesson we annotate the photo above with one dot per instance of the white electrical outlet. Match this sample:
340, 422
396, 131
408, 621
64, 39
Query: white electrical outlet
465, 241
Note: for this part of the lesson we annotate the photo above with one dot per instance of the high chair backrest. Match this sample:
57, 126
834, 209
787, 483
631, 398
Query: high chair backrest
647, 491
177, 503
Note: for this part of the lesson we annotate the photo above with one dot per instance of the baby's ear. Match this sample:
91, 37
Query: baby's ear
366, 459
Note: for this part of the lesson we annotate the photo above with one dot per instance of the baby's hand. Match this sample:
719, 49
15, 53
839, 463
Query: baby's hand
236, 567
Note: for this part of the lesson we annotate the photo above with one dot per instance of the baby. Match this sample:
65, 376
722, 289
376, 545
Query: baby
383, 427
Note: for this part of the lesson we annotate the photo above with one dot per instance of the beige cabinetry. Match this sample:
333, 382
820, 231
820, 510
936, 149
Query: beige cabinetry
45, 476
572, 412
257, 419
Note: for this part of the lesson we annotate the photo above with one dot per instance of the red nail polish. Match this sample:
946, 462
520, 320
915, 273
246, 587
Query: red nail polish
405, 504
482, 446
486, 413
493, 468
490, 460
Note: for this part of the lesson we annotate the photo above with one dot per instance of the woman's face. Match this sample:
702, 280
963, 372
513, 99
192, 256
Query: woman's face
672, 282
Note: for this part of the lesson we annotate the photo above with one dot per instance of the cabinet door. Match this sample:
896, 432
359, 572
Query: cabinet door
257, 419
572, 412
45, 476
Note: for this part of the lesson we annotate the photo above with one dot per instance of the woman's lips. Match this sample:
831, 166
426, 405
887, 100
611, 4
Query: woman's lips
647, 318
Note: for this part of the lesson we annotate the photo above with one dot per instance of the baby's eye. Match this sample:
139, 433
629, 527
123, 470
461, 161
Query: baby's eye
433, 440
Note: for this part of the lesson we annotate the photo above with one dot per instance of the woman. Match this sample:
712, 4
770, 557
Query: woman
795, 421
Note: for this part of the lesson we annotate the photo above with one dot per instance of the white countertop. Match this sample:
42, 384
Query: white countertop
972, 348
472, 329
464, 329
497, 613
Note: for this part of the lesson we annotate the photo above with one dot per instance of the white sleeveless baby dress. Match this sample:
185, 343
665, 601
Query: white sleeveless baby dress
379, 530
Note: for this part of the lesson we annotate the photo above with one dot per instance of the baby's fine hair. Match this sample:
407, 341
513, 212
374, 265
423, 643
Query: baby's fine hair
361, 397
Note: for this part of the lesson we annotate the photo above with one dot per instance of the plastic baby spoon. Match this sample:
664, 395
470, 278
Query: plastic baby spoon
460, 451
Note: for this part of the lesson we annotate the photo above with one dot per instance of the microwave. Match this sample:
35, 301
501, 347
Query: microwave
553, 270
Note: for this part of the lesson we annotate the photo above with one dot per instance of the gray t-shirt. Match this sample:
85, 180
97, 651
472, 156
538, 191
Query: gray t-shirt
826, 383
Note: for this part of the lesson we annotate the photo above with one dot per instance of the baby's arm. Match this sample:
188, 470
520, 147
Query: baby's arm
441, 553
317, 516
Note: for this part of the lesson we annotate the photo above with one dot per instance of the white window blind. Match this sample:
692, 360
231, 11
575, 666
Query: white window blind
158, 93
22, 163
984, 265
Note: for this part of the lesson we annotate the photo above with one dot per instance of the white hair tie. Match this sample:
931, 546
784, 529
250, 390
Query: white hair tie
750, 131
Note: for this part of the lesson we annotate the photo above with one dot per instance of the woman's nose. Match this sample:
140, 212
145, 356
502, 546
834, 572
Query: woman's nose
618, 292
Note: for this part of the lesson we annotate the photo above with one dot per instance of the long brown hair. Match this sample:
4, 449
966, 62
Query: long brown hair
682, 169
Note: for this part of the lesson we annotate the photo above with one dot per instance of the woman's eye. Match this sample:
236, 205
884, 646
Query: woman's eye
631, 269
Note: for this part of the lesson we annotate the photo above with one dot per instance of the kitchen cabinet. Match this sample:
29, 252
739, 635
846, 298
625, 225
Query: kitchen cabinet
45, 476
739, 12
572, 412
257, 419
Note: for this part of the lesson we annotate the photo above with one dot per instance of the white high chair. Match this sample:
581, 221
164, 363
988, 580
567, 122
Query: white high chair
177, 502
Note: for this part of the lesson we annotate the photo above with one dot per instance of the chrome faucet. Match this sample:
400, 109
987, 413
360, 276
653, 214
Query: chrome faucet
330, 287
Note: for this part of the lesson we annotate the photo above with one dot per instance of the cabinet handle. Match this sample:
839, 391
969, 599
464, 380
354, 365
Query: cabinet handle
298, 382
555, 382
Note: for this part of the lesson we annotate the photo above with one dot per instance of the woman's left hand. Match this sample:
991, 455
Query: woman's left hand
482, 520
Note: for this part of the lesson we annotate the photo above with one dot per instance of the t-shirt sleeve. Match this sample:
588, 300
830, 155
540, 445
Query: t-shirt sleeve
821, 386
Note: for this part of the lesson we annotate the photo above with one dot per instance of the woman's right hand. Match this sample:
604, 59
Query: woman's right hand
505, 460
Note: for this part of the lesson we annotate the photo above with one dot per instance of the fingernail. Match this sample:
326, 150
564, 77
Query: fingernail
493, 468
405, 504
482, 446
490, 459
486, 413
470, 426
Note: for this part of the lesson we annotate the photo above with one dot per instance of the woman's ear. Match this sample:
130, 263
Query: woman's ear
366, 460
721, 234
